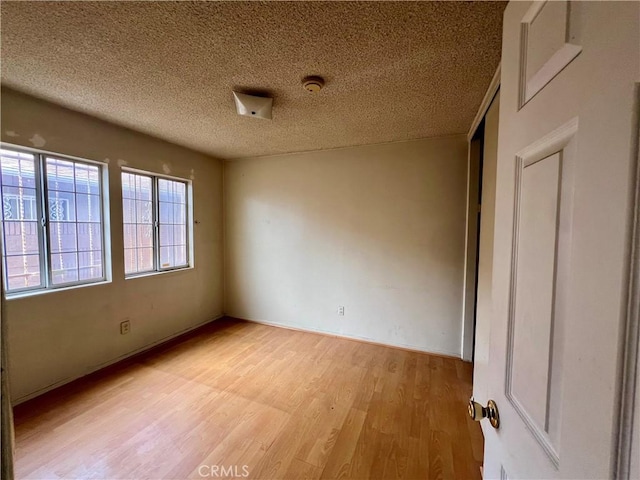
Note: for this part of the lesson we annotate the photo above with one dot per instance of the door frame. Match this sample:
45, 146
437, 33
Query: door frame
470, 247
630, 342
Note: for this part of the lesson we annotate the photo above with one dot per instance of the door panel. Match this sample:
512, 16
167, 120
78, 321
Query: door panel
560, 257
540, 276
549, 31
532, 318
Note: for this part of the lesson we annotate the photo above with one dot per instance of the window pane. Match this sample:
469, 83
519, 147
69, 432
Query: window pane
75, 221
64, 268
179, 214
21, 221
130, 260
166, 235
179, 235
62, 206
62, 237
180, 190
89, 237
128, 210
180, 255
166, 212
87, 179
144, 211
173, 228
143, 187
88, 208
172, 235
165, 190
90, 265
137, 204
21, 238
145, 235
60, 175
172, 191
19, 203
128, 185
130, 240
18, 169
145, 259
23, 271
166, 257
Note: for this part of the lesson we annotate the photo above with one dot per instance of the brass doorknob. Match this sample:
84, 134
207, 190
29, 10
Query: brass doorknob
477, 412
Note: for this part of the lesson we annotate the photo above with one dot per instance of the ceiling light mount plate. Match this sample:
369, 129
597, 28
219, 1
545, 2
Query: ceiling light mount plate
253, 105
313, 84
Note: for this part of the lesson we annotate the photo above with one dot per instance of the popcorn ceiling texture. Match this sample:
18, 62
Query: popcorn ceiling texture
393, 70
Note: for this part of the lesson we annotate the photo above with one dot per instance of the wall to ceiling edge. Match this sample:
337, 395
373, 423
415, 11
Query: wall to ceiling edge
378, 229
57, 336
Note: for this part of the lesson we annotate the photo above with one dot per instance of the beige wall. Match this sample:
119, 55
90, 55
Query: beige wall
378, 229
57, 336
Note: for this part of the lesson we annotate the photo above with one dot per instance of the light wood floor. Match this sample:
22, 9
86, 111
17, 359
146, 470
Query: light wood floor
283, 403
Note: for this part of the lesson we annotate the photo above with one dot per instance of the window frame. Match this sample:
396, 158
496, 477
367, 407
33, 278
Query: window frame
155, 209
43, 223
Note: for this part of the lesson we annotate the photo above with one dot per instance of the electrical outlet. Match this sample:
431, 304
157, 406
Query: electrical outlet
341, 311
125, 327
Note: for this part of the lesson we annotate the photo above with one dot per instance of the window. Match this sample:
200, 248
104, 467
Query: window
155, 223
52, 215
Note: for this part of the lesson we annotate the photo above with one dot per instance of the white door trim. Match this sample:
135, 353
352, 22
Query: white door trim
486, 103
630, 341
466, 340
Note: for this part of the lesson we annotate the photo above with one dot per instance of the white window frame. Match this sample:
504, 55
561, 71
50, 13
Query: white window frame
42, 204
155, 209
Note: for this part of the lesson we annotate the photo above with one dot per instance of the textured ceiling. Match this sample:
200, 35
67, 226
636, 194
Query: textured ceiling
394, 70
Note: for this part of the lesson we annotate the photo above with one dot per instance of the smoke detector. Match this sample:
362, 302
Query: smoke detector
313, 84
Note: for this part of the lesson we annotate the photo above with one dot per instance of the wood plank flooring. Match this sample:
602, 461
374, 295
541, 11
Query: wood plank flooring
238, 399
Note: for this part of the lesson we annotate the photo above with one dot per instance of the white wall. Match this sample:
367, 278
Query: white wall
378, 229
57, 336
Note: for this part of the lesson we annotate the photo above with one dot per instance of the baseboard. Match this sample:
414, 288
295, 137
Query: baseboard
164, 340
409, 348
108, 363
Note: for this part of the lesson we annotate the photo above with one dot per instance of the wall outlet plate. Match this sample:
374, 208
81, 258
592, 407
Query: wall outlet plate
125, 327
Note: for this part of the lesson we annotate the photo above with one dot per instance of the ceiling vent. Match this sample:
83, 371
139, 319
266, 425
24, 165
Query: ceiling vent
253, 106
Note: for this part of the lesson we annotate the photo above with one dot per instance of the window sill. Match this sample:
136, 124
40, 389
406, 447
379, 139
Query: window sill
44, 291
156, 273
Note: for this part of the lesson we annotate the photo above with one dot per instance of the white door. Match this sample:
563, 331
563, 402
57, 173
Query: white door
564, 185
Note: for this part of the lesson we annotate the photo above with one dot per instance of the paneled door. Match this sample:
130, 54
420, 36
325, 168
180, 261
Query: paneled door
565, 183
